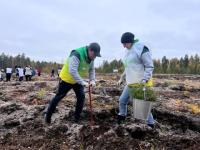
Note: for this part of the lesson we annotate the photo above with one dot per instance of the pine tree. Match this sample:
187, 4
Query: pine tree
165, 63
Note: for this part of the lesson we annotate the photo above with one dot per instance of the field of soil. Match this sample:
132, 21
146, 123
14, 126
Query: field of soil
176, 111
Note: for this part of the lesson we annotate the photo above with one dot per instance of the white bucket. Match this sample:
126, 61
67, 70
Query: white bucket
141, 109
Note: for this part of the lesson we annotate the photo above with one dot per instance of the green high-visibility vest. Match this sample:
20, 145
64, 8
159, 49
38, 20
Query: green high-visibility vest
83, 67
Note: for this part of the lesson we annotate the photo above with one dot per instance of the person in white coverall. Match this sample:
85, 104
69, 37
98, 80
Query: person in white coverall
20, 73
8, 73
28, 73
139, 66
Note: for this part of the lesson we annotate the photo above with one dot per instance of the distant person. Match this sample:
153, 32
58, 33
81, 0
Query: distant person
59, 70
17, 71
21, 73
52, 72
80, 64
33, 72
139, 63
8, 73
1, 76
39, 72
28, 73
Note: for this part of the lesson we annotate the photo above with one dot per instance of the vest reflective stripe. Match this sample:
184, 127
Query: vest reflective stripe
82, 69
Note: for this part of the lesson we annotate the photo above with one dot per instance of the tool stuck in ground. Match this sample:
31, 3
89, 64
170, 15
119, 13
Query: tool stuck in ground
90, 101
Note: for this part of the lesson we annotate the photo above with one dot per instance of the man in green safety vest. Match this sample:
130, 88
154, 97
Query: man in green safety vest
79, 65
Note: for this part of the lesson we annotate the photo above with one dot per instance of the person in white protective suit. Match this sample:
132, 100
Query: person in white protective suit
139, 67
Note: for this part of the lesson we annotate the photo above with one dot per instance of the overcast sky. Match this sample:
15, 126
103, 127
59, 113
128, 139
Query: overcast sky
49, 29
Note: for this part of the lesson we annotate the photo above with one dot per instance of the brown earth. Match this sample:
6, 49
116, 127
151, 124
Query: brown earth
177, 114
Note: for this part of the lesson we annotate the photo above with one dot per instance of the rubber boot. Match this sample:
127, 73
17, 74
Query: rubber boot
120, 119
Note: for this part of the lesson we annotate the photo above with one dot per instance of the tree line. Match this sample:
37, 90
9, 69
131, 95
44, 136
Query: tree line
23, 61
183, 65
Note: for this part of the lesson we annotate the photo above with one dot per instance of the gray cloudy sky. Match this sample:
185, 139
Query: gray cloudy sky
48, 29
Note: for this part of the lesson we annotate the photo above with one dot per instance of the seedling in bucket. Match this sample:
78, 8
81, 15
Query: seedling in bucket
142, 97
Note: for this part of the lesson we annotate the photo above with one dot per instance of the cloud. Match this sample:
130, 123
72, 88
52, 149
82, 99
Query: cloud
48, 30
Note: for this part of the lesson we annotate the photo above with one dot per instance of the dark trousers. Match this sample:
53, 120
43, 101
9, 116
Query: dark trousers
52, 75
28, 77
63, 89
21, 78
8, 76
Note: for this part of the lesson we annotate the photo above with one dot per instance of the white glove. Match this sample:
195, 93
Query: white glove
92, 83
119, 82
85, 84
144, 88
143, 81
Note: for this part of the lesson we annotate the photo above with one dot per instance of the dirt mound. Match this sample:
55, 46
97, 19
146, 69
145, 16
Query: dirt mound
22, 107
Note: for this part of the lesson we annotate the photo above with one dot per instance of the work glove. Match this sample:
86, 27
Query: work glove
92, 83
143, 82
119, 82
85, 84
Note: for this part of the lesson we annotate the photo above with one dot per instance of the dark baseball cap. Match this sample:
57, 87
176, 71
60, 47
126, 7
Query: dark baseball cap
96, 48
